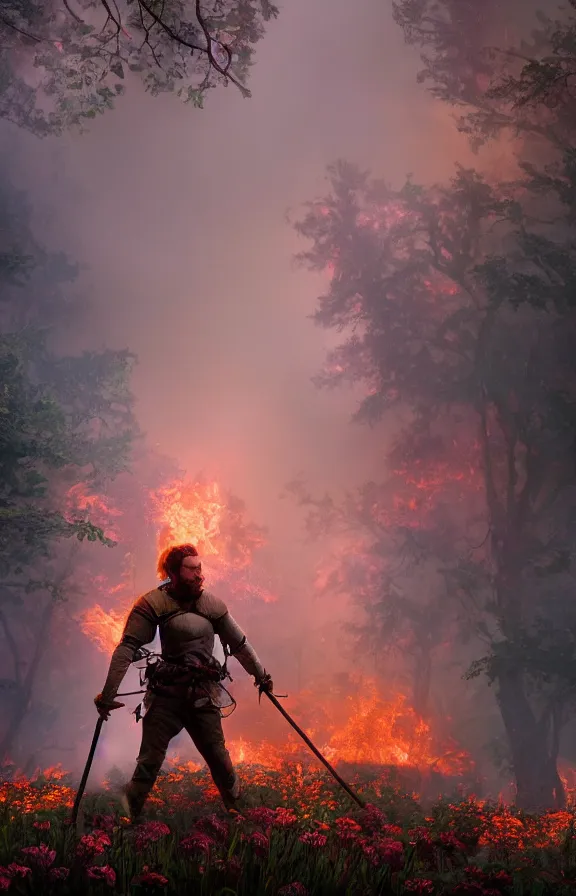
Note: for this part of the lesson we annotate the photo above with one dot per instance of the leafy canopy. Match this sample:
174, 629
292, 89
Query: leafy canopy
64, 64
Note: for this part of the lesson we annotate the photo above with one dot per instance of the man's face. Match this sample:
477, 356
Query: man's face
191, 573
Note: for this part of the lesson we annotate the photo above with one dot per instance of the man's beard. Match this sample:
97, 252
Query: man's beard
188, 590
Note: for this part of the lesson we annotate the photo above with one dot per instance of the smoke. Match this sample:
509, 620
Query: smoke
179, 218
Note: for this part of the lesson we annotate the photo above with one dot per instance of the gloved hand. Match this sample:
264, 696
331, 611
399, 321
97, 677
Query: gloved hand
264, 683
105, 706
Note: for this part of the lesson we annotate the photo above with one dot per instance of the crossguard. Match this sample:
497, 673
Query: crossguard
262, 689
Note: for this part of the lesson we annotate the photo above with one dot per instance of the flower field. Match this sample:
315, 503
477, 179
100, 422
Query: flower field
297, 835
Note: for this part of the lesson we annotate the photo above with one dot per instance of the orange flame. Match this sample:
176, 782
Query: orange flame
198, 512
389, 732
80, 503
190, 512
104, 628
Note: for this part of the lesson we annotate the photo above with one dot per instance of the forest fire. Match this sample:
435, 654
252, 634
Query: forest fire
367, 729
196, 511
389, 732
364, 730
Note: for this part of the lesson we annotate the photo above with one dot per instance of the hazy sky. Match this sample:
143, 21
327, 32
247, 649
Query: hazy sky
180, 215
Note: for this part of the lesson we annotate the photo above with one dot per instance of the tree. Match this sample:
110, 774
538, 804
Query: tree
67, 421
63, 65
460, 310
523, 86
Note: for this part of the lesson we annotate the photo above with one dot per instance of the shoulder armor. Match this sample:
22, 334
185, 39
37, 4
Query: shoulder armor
211, 606
159, 601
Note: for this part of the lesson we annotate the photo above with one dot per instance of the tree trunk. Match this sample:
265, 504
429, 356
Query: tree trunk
21, 710
538, 785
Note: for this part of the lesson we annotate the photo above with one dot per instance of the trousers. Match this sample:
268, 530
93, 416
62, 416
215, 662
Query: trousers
164, 719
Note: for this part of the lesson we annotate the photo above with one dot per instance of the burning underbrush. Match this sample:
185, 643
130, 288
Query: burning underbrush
297, 834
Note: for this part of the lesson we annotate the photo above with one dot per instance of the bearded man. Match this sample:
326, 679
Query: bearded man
183, 691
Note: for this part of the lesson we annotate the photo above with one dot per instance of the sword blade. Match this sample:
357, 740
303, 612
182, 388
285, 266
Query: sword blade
86, 771
315, 750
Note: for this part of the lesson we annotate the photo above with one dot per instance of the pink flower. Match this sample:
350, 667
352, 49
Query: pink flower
314, 839
392, 852
419, 885
294, 889
450, 842
373, 817
370, 852
149, 878
5, 881
261, 815
60, 873
150, 832
102, 872
15, 870
197, 842
259, 843
348, 829
42, 825
347, 824
92, 845
41, 856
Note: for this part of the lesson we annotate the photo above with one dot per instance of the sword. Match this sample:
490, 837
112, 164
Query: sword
86, 771
109, 706
314, 749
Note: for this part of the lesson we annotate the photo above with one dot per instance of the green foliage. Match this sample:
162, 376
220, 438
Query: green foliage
36, 438
61, 68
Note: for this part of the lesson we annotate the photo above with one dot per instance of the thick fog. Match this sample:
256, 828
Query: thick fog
180, 218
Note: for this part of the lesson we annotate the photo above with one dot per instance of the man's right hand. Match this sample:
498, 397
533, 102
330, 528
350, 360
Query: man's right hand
104, 707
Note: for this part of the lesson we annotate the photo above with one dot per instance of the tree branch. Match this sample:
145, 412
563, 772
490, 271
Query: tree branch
185, 43
72, 13
9, 24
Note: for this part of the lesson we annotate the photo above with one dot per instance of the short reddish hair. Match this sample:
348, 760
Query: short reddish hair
170, 560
